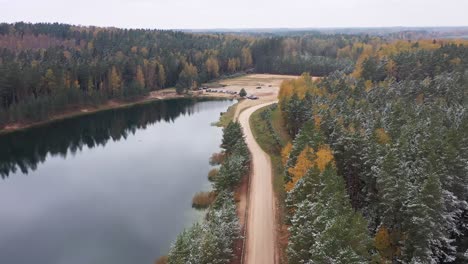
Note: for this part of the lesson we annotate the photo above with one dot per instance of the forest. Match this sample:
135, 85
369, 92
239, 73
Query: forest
47, 69
377, 168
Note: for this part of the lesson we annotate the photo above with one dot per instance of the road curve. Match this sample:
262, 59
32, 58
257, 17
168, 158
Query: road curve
261, 236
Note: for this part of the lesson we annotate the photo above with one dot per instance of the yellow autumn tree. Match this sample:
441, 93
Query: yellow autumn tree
285, 153
306, 160
161, 76
303, 164
317, 121
323, 156
233, 64
387, 244
114, 79
246, 58
140, 77
212, 67
49, 82
382, 136
286, 90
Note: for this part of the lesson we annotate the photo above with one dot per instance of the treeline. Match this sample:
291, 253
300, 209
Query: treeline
377, 171
45, 68
316, 54
214, 240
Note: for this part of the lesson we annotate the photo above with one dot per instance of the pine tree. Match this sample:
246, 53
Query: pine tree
180, 250
325, 229
242, 93
424, 228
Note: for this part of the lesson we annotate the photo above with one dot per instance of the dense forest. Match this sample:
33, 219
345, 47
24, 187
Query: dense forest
377, 170
46, 69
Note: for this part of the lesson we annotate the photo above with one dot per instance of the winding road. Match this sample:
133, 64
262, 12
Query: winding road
261, 227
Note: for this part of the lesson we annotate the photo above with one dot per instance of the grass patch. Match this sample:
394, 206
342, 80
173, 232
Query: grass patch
268, 142
227, 116
203, 200
280, 127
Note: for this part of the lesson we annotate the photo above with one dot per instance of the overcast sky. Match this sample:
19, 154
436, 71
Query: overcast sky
177, 14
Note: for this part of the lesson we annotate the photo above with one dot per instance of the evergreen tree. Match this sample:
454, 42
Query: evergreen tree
242, 93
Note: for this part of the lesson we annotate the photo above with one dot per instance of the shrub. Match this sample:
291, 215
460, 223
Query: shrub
203, 200
242, 92
161, 260
212, 174
217, 158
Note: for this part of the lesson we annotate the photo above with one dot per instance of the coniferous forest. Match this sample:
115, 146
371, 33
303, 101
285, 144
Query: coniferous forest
377, 170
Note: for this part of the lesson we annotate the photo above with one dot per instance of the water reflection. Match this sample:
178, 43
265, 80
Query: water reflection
121, 195
24, 150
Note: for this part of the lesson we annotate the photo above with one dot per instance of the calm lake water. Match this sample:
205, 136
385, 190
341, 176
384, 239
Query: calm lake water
111, 187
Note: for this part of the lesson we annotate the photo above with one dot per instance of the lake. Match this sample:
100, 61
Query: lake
110, 187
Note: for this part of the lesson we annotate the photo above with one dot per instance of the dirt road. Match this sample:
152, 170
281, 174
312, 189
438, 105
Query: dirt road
261, 237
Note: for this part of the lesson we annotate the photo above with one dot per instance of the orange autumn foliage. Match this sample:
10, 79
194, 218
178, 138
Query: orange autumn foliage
303, 164
308, 159
382, 136
300, 86
317, 121
285, 153
323, 156
386, 242
382, 239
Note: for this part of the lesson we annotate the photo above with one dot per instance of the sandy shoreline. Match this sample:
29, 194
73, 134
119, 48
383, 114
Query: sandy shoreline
268, 83
109, 105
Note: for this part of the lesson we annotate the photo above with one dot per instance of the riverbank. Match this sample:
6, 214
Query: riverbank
75, 111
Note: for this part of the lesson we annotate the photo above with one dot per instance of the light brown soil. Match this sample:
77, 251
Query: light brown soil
261, 226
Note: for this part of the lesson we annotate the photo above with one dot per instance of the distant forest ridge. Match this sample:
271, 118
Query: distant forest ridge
393, 32
46, 68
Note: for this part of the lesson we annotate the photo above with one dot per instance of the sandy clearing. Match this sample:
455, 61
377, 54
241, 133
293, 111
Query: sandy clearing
269, 87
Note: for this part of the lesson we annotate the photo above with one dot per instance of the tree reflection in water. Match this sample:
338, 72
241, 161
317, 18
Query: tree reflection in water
24, 150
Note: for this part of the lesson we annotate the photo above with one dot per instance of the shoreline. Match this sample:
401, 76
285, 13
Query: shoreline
112, 104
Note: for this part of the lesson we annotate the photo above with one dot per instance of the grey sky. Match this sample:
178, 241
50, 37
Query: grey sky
238, 13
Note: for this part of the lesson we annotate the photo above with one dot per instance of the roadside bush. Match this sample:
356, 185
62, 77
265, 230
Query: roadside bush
212, 174
216, 158
203, 200
161, 260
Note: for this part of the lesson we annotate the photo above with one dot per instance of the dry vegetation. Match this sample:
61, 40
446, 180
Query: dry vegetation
203, 200
212, 174
216, 158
